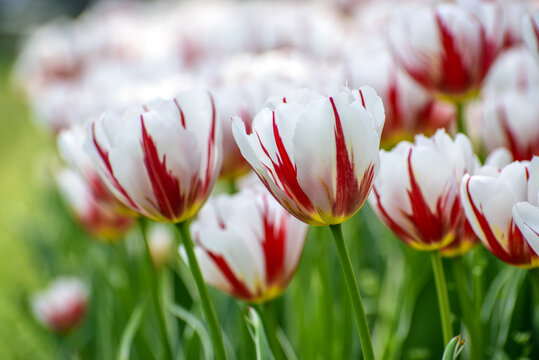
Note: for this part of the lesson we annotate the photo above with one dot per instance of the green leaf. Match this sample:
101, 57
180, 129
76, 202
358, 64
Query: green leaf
453, 349
130, 331
195, 325
254, 325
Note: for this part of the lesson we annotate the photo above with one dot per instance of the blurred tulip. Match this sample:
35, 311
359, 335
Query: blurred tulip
62, 306
448, 47
95, 208
416, 193
489, 203
317, 155
161, 159
160, 242
254, 263
513, 12
514, 70
93, 205
511, 120
531, 33
409, 108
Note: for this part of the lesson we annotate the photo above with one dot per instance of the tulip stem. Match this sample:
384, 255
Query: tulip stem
461, 122
269, 321
443, 298
207, 307
353, 291
156, 298
470, 317
534, 274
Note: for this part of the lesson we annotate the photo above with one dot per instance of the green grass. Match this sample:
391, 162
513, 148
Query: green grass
20, 147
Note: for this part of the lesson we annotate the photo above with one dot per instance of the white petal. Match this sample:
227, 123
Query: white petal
526, 217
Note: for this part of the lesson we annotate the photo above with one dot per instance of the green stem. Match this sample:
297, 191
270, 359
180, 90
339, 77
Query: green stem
461, 121
443, 298
353, 291
269, 321
534, 275
207, 307
156, 298
470, 317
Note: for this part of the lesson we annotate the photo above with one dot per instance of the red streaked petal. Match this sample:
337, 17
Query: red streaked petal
104, 155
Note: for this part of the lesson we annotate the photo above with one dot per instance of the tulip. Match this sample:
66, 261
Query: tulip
448, 47
62, 306
254, 263
162, 159
94, 208
488, 202
510, 120
317, 155
465, 238
93, 205
416, 193
409, 108
514, 70
531, 33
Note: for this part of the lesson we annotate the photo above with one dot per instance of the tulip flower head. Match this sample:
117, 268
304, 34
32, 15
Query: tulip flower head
511, 120
531, 33
409, 108
161, 159
448, 47
247, 245
62, 306
317, 155
416, 193
93, 205
489, 203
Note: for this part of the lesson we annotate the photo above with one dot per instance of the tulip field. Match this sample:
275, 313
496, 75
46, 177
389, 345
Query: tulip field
271, 180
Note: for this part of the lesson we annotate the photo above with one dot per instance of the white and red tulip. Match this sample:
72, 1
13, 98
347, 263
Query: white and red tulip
94, 207
409, 108
495, 203
247, 245
416, 193
511, 120
448, 47
161, 159
317, 155
63, 305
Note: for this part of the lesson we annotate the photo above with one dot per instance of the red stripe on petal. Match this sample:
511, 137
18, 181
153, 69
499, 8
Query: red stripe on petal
211, 148
238, 289
273, 244
105, 157
455, 77
347, 192
428, 224
182, 117
491, 241
285, 171
396, 228
165, 185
